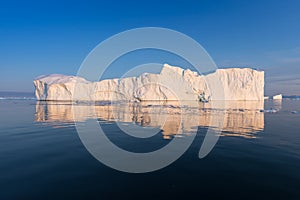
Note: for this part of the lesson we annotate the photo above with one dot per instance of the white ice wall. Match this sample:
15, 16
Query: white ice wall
173, 83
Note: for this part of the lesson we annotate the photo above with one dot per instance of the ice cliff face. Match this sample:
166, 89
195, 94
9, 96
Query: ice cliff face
173, 83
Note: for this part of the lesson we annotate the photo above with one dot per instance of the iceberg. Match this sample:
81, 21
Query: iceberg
172, 83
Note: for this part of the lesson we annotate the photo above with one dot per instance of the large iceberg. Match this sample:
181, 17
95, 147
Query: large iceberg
172, 83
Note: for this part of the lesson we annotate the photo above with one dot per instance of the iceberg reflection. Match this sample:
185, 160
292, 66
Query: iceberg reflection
239, 118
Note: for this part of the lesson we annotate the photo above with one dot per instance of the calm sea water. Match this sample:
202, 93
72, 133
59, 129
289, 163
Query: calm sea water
256, 157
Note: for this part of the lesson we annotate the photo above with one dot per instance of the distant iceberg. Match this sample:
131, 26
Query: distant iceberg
173, 83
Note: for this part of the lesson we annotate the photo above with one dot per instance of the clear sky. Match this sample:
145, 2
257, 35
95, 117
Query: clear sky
44, 37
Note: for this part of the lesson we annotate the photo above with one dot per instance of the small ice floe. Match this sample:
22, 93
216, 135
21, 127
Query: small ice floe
277, 97
178, 136
295, 112
269, 110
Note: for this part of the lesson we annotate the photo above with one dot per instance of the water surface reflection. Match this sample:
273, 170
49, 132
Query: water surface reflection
239, 118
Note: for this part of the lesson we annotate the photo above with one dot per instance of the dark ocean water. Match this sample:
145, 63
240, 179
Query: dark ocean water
42, 156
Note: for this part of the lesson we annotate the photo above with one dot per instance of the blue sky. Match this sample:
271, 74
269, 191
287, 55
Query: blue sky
44, 37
